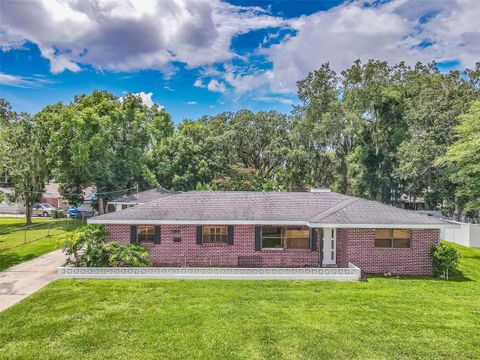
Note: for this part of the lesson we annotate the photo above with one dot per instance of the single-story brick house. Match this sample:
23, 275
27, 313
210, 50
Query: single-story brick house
278, 229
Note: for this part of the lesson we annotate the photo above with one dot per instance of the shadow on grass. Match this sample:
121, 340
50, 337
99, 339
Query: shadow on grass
9, 259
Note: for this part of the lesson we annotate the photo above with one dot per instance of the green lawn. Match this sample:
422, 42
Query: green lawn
19, 245
384, 318
10, 223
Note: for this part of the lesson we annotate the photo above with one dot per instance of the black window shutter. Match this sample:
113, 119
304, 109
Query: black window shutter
258, 237
313, 239
320, 231
199, 235
157, 234
230, 234
133, 234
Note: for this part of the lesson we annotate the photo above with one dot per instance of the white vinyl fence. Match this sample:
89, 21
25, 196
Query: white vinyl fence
352, 273
463, 234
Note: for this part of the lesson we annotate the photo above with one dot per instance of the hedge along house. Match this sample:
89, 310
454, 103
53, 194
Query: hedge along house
278, 229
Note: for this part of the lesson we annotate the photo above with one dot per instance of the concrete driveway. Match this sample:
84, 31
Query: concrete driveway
20, 281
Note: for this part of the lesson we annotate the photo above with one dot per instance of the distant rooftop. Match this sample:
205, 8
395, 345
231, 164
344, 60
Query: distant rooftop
144, 196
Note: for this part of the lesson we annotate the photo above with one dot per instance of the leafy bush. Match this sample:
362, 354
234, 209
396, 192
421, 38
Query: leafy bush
445, 259
86, 247
127, 255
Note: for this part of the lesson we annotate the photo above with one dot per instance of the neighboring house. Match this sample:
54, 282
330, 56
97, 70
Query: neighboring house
7, 206
50, 196
140, 198
412, 203
278, 229
53, 197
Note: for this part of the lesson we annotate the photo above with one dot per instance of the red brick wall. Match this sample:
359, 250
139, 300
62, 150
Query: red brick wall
51, 201
359, 249
353, 245
58, 203
241, 253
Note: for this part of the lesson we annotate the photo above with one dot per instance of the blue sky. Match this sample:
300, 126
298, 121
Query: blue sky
205, 57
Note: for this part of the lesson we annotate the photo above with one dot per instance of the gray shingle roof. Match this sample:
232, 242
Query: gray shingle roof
267, 207
145, 196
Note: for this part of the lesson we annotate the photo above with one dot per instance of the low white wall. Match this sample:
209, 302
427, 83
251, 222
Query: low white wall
463, 234
340, 274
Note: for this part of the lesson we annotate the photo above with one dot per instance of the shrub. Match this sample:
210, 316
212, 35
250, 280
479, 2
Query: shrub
87, 247
57, 214
445, 259
127, 255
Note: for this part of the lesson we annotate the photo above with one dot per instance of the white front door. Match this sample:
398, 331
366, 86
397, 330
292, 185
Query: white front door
329, 246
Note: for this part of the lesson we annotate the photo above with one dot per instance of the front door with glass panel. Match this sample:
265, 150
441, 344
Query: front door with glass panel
329, 246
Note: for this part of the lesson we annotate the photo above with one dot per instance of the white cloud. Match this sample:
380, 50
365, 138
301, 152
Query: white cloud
146, 98
275, 99
217, 86
390, 31
213, 85
133, 35
129, 35
191, 103
199, 83
22, 81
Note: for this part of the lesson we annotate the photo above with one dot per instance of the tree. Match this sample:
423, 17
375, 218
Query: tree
445, 259
464, 158
102, 141
433, 103
22, 149
192, 156
7, 116
375, 91
323, 127
259, 141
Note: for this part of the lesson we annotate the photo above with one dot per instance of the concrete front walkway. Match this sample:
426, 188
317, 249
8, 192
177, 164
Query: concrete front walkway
20, 281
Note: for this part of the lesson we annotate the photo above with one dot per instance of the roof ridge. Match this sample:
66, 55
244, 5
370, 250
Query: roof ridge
334, 209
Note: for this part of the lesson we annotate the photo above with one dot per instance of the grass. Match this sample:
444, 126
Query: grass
384, 318
20, 245
11, 223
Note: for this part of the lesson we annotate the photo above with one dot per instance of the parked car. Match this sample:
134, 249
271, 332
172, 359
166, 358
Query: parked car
43, 209
73, 213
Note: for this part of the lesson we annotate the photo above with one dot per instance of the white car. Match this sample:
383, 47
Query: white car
43, 209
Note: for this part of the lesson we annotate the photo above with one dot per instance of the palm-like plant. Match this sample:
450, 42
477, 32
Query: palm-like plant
88, 248
127, 255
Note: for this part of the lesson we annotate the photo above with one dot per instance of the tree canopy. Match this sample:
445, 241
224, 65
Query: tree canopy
374, 130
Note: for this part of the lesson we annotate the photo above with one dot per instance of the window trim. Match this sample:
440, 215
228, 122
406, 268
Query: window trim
284, 238
216, 235
392, 239
147, 234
